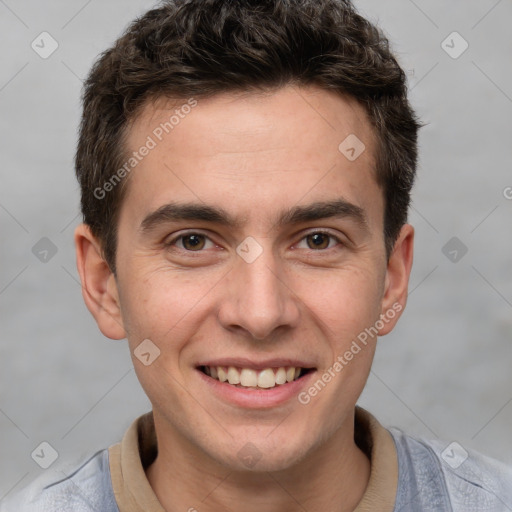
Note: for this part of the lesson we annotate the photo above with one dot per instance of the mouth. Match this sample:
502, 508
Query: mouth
248, 378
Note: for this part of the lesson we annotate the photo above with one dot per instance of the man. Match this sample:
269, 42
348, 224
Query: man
245, 169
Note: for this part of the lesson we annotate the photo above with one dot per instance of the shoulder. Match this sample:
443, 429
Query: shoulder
88, 488
446, 476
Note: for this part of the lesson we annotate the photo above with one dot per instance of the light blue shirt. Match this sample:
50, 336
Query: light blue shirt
432, 477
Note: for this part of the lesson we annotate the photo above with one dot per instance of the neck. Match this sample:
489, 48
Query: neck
333, 476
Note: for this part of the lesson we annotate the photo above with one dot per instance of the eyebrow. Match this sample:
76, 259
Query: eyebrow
170, 212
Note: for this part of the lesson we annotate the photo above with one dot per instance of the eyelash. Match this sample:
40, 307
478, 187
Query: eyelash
171, 242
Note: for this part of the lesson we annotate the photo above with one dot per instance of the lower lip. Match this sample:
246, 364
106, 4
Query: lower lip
255, 398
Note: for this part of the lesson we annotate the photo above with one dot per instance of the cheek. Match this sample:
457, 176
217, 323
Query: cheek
160, 305
345, 301
161, 308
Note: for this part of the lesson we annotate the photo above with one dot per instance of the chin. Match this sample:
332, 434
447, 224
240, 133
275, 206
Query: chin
260, 456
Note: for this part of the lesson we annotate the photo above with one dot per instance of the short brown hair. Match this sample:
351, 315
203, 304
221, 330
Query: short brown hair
199, 48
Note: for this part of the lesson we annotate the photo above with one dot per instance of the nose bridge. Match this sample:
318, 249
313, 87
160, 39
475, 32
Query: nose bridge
257, 298
261, 280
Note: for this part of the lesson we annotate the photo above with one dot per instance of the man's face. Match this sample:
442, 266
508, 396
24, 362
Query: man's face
261, 293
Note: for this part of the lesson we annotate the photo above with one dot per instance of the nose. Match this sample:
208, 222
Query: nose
258, 298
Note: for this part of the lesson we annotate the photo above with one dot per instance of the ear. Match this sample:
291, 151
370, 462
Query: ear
397, 279
99, 287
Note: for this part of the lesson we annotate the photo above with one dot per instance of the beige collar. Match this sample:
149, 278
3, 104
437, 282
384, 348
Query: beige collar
380, 494
138, 449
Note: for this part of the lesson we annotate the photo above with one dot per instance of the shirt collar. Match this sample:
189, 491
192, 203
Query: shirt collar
138, 449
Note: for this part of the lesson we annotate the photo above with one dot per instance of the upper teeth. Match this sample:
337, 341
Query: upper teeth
246, 377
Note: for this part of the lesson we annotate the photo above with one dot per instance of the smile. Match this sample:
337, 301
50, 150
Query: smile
252, 379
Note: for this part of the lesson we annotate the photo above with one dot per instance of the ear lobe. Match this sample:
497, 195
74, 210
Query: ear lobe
99, 287
397, 279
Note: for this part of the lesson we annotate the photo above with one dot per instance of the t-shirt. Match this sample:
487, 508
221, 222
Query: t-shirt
408, 474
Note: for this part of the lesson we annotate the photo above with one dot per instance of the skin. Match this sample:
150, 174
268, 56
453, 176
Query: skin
255, 155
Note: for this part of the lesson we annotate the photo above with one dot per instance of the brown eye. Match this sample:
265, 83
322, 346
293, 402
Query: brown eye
193, 242
318, 240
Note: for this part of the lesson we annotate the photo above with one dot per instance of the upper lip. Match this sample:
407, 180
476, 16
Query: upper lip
241, 362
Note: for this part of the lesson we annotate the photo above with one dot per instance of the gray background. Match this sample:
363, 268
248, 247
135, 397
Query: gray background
444, 372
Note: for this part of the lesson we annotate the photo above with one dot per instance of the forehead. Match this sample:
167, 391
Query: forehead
259, 150
320, 115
